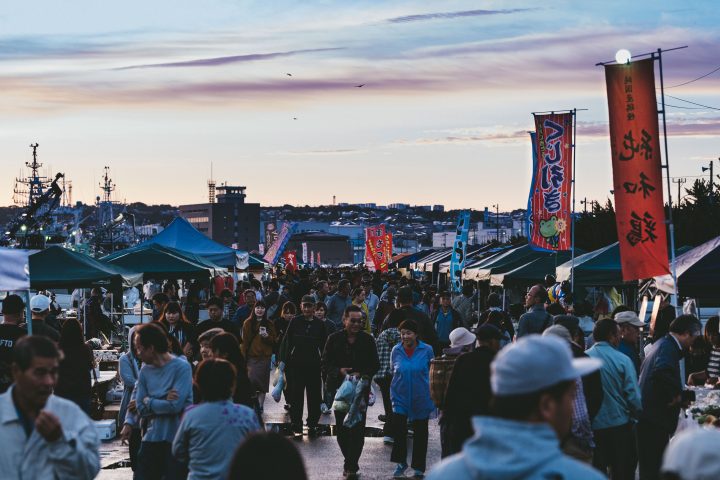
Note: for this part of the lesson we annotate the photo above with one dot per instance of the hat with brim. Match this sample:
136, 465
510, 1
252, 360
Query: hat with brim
461, 337
629, 318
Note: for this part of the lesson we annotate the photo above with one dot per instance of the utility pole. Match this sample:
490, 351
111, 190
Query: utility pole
705, 169
497, 221
585, 202
679, 182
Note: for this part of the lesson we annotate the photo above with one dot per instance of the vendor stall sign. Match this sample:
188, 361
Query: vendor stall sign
457, 260
378, 248
283, 236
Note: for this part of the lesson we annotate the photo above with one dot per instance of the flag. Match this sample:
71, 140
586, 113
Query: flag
14, 269
378, 248
304, 252
457, 260
549, 209
290, 257
637, 174
312, 257
273, 253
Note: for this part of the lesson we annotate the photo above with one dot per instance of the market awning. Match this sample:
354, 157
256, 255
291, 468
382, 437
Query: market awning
420, 264
599, 268
503, 262
158, 262
698, 272
533, 271
472, 256
58, 267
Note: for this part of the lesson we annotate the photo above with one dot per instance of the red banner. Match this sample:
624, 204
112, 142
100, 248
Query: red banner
549, 209
290, 257
378, 247
637, 175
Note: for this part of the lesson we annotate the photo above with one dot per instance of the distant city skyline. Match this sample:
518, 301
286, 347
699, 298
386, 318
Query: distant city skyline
270, 93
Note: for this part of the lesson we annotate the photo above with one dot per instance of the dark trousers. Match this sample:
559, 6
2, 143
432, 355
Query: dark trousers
453, 434
305, 379
351, 441
616, 450
420, 441
134, 447
156, 462
652, 440
384, 385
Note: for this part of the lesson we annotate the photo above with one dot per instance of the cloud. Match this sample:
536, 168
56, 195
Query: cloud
451, 15
216, 61
328, 151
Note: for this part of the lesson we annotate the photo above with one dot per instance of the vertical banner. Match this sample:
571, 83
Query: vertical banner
457, 260
378, 248
312, 257
271, 234
261, 249
318, 261
549, 203
290, 257
273, 253
637, 175
304, 252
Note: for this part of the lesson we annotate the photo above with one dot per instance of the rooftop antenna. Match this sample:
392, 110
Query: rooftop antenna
211, 186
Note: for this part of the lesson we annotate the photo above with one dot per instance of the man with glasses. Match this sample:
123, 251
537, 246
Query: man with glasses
536, 320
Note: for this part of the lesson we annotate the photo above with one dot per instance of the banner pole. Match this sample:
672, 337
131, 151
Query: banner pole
572, 217
667, 178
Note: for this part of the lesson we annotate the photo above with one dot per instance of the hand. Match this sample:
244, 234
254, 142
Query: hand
172, 395
125, 434
188, 351
264, 334
132, 406
48, 425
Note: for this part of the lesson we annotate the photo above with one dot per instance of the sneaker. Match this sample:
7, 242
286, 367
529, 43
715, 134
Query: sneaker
348, 475
418, 473
382, 418
411, 433
388, 440
297, 431
400, 470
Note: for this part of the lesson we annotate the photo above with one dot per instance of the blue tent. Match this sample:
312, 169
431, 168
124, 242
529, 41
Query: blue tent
181, 235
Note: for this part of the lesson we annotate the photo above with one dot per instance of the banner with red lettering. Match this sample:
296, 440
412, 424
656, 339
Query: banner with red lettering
378, 248
637, 174
549, 208
290, 257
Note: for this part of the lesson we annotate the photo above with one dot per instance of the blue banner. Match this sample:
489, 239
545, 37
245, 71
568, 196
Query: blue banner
529, 212
457, 261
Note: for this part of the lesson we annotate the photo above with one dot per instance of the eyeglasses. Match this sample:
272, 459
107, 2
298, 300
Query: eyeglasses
351, 320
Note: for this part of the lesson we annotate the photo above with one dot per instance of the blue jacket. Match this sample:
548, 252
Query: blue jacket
510, 450
621, 395
410, 387
660, 383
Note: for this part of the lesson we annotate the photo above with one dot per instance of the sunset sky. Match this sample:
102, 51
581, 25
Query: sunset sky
157, 90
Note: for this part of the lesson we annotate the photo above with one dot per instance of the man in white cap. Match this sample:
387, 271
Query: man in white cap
693, 455
533, 383
630, 325
40, 309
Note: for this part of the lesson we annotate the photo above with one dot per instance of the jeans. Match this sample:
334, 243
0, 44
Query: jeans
156, 462
351, 442
384, 384
420, 441
653, 439
616, 450
307, 378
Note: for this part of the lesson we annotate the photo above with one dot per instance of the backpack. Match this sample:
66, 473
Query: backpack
440, 371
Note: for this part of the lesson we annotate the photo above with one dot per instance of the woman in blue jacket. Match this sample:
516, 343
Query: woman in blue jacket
410, 395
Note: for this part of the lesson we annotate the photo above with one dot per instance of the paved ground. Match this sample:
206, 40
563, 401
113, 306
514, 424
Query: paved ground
323, 459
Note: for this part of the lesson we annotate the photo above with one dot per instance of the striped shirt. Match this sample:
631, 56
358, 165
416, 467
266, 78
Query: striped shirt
713, 368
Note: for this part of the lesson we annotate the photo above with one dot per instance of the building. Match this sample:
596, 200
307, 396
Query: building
399, 206
229, 220
334, 249
438, 208
482, 233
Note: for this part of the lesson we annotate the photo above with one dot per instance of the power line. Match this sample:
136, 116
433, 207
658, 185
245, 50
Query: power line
695, 80
678, 106
693, 103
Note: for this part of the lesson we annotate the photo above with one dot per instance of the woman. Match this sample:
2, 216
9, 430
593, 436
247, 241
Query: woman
257, 458
410, 395
178, 326
710, 370
226, 346
321, 314
74, 372
358, 299
129, 366
259, 339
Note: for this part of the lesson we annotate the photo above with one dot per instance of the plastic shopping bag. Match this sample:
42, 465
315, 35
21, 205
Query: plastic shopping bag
278, 388
686, 422
371, 399
344, 395
359, 404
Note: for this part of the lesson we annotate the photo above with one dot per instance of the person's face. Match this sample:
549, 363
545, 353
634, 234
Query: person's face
145, 354
558, 413
259, 311
408, 337
226, 299
320, 313
324, 288
630, 333
36, 383
288, 316
345, 290
532, 297
367, 288
308, 309
205, 351
445, 302
250, 299
172, 317
361, 297
353, 322
614, 338
715, 339
687, 339
158, 305
215, 313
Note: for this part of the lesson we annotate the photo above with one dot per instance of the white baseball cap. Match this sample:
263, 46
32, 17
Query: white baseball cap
694, 454
628, 317
534, 363
39, 303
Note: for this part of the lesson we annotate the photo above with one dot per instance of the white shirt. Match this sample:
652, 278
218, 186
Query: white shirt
74, 455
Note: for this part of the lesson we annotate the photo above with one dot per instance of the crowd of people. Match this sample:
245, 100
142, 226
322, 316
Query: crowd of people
556, 392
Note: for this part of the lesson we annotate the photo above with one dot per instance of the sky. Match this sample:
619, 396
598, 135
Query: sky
266, 92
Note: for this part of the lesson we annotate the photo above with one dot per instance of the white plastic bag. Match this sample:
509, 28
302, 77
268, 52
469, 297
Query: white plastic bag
345, 394
371, 399
686, 422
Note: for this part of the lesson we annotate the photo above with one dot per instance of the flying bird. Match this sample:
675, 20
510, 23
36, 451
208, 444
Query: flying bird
360, 86
294, 118
289, 74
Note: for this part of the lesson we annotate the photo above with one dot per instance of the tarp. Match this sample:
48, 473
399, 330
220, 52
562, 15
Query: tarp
598, 268
14, 274
158, 262
404, 260
502, 262
420, 264
532, 272
181, 235
472, 257
698, 272
255, 262
58, 267
432, 264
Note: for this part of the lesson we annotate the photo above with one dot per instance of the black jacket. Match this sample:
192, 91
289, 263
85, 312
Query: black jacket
592, 384
426, 328
660, 384
361, 356
303, 342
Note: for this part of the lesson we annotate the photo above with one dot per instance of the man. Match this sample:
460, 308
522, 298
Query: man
406, 311
321, 291
662, 379
216, 320
40, 309
274, 300
230, 306
613, 427
536, 320
350, 352
372, 301
159, 300
300, 353
97, 322
338, 303
10, 332
43, 436
495, 304
630, 325
465, 304
446, 319
244, 311
468, 392
533, 383
385, 307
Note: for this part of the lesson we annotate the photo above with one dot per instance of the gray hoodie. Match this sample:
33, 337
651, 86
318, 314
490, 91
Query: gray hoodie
511, 450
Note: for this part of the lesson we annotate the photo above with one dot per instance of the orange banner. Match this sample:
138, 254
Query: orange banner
637, 174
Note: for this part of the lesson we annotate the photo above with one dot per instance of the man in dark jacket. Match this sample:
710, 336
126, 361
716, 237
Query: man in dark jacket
426, 329
445, 319
662, 381
468, 391
350, 352
536, 320
301, 351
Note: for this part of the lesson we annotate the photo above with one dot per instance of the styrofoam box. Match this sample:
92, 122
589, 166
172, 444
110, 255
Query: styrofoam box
105, 429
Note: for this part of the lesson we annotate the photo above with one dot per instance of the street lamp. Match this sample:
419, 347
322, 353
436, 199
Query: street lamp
497, 221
